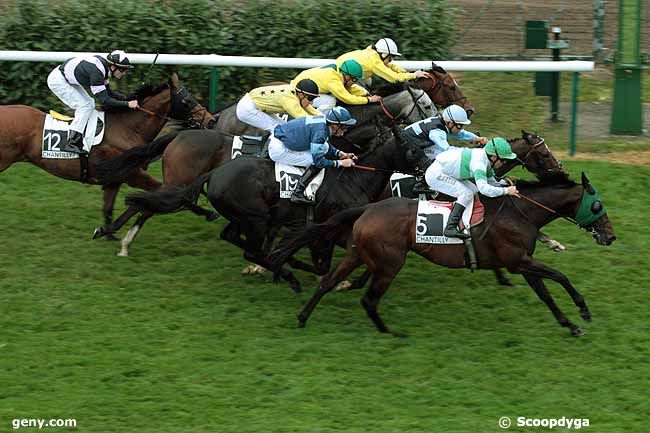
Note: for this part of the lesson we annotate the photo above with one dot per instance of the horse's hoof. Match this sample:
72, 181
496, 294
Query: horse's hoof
301, 323
343, 286
296, 287
399, 335
506, 282
212, 216
111, 237
99, 232
586, 316
248, 270
123, 254
577, 332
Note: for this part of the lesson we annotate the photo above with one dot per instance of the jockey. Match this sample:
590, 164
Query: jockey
70, 81
431, 134
377, 60
337, 83
304, 142
453, 171
260, 106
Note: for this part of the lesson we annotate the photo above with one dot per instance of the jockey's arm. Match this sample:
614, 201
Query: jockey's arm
484, 186
107, 101
339, 91
116, 95
389, 73
320, 152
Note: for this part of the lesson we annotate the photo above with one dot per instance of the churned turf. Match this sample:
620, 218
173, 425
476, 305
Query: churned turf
173, 339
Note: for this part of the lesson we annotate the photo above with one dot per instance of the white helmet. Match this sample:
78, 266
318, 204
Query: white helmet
456, 114
387, 46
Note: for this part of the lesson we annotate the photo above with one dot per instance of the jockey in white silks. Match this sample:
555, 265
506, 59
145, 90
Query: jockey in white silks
461, 172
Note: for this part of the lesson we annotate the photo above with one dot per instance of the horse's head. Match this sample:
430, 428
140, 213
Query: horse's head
533, 154
443, 89
185, 107
408, 106
592, 216
174, 101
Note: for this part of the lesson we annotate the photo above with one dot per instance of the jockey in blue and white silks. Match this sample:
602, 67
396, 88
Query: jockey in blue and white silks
305, 142
431, 134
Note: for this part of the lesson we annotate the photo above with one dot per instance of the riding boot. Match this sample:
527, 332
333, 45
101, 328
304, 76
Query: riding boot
298, 195
75, 143
420, 186
452, 230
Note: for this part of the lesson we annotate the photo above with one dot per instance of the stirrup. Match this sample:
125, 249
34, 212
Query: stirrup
455, 233
73, 149
300, 199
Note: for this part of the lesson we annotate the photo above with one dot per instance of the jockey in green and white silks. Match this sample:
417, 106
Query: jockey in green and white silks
461, 172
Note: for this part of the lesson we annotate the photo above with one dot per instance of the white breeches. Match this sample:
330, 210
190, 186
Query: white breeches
248, 112
324, 103
74, 96
279, 153
463, 190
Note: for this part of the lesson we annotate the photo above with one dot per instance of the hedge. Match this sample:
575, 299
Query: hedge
279, 28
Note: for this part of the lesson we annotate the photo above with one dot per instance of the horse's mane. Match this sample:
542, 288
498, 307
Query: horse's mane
146, 90
388, 89
560, 180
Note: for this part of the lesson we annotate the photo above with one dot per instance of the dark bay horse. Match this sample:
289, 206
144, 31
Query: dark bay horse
246, 193
384, 232
193, 153
21, 132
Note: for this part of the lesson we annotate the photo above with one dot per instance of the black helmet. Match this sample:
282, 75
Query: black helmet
308, 87
119, 59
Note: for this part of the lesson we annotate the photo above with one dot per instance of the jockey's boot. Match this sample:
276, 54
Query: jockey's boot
452, 230
420, 186
75, 143
298, 195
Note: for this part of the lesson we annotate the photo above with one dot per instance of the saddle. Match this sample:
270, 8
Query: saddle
250, 145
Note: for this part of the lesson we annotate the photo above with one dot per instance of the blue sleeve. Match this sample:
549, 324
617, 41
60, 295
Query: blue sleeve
465, 135
439, 139
320, 149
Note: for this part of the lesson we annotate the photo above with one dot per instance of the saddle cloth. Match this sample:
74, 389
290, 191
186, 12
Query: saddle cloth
55, 134
432, 218
249, 145
288, 176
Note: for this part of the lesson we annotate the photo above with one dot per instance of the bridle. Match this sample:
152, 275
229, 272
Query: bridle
523, 161
182, 94
415, 98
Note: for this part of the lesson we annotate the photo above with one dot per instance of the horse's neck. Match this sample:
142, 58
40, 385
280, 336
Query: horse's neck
397, 102
562, 199
144, 125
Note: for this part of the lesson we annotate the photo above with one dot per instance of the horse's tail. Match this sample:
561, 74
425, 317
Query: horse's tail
116, 169
168, 199
327, 231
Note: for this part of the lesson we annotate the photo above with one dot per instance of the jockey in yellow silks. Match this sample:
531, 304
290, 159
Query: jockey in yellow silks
337, 83
260, 107
377, 60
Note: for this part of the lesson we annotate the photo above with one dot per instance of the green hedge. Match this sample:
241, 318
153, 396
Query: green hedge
279, 28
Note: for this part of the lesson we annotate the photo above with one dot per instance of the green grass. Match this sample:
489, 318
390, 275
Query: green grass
173, 339
506, 103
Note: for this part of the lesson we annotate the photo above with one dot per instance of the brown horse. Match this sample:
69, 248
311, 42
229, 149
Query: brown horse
21, 132
384, 232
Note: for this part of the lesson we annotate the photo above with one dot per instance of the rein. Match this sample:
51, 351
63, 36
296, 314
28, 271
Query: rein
546, 208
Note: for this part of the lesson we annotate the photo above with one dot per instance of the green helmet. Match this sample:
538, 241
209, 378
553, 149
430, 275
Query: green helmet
500, 148
351, 68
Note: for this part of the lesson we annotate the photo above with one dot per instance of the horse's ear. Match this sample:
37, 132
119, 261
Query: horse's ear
174, 80
524, 134
585, 181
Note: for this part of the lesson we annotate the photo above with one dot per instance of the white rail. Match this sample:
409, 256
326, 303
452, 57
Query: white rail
283, 62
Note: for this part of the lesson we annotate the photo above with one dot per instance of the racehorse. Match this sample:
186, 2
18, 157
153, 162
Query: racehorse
384, 232
193, 153
21, 134
246, 193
